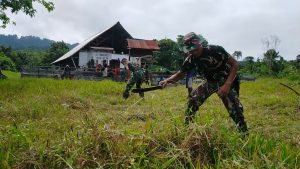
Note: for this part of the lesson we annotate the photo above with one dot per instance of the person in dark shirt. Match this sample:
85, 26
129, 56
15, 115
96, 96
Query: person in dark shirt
147, 77
220, 72
67, 72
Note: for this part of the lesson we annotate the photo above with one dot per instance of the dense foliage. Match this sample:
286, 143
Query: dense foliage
28, 58
169, 55
271, 65
15, 6
55, 51
27, 42
23, 58
6, 63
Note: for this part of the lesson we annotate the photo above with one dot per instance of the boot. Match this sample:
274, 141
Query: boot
242, 128
188, 120
125, 94
141, 94
189, 92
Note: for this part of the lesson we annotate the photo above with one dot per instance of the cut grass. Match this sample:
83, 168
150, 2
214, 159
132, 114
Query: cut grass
47, 123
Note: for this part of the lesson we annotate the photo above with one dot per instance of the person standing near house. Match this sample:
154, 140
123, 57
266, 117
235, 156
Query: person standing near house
67, 72
220, 71
147, 77
123, 74
105, 72
136, 78
98, 70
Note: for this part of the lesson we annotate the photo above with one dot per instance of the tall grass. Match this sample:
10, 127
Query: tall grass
47, 123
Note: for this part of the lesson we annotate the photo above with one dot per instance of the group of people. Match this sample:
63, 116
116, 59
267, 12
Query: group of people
106, 71
215, 65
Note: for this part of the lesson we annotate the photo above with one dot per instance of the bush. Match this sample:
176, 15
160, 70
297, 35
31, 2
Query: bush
6, 63
27, 58
157, 68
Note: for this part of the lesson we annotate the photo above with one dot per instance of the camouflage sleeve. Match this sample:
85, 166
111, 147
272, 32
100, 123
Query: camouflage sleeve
224, 53
132, 67
187, 65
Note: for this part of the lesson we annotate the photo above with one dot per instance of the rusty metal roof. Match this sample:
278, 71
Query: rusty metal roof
142, 44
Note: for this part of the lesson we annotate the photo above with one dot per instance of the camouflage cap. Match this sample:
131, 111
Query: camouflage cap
191, 41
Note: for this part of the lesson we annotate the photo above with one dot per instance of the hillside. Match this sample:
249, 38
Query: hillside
47, 123
27, 42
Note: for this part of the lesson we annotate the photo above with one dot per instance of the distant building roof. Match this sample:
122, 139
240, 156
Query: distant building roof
142, 44
98, 39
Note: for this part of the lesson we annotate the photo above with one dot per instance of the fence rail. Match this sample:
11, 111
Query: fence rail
85, 74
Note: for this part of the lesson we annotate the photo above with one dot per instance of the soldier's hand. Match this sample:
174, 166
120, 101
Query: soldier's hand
163, 83
223, 91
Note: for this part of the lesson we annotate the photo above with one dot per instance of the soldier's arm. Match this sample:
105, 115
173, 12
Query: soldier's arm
127, 71
234, 67
223, 91
138, 62
174, 78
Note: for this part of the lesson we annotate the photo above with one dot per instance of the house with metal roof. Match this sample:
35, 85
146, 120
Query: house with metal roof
108, 47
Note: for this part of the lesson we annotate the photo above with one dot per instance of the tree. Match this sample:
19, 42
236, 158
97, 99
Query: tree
6, 63
270, 58
56, 50
249, 63
168, 55
273, 60
23, 58
14, 6
237, 55
27, 58
6, 50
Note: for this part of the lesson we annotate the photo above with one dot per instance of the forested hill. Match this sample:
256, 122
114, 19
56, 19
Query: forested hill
27, 42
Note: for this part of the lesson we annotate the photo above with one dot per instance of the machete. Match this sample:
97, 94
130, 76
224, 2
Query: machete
147, 89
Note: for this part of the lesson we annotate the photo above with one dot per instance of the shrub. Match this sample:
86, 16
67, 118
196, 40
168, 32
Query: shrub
6, 63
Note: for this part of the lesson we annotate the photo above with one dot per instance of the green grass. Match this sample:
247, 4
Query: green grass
11, 75
47, 123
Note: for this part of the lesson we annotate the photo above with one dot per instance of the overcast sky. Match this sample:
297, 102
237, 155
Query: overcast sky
233, 24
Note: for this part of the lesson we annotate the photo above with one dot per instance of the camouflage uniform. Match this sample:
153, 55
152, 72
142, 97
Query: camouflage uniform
136, 78
189, 82
212, 64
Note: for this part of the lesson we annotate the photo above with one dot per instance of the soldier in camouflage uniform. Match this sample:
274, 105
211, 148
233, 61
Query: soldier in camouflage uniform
219, 69
136, 78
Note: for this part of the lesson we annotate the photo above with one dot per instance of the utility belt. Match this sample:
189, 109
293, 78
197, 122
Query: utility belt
222, 78
217, 77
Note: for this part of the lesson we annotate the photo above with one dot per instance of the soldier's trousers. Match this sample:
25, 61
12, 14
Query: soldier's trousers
133, 80
231, 102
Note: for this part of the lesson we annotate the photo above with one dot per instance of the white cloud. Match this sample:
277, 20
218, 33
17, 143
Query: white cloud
234, 24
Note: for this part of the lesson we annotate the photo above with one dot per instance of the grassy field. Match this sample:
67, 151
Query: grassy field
47, 123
